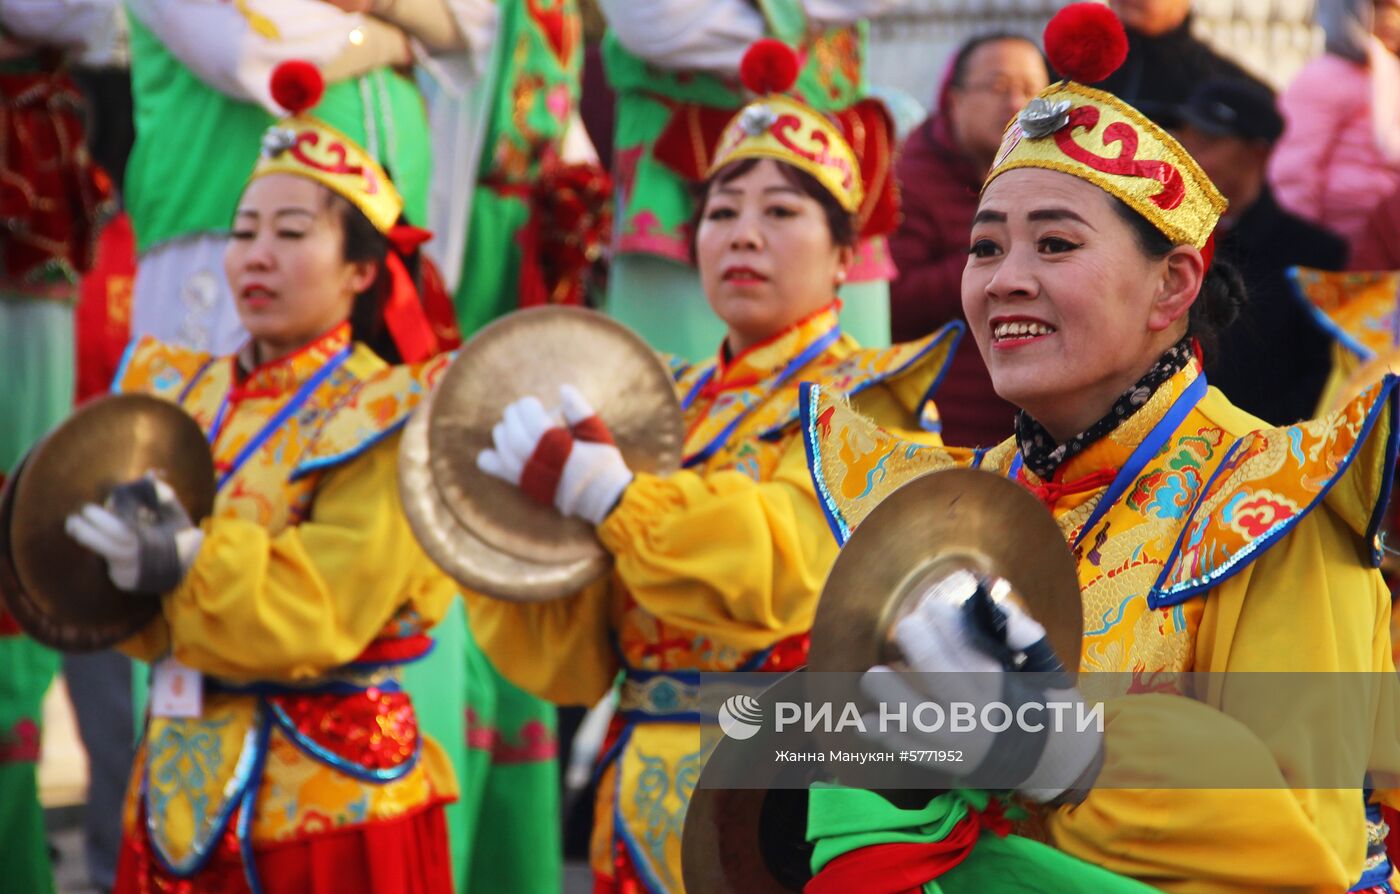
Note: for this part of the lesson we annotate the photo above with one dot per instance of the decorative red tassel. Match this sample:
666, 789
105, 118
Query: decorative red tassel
769, 66
1085, 42
297, 85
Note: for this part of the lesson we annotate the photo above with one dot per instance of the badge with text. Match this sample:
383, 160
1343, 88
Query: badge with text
176, 690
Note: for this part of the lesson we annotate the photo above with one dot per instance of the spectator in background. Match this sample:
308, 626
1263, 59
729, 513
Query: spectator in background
1340, 150
940, 172
1273, 361
1165, 60
1378, 246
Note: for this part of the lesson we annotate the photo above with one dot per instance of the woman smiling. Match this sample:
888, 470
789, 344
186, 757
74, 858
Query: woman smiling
1205, 540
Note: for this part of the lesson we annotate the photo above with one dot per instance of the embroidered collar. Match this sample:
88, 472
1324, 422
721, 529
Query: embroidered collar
1044, 456
771, 355
286, 373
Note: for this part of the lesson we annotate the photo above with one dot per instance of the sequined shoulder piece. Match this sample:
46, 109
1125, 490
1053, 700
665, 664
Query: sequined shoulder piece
1272, 478
1358, 309
370, 412
855, 463
152, 367
913, 369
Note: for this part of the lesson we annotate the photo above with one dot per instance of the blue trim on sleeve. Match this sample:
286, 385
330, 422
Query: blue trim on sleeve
808, 398
1158, 597
1328, 324
323, 462
124, 364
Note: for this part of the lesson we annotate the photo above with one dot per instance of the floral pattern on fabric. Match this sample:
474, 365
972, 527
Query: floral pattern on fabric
317, 761
1043, 455
1361, 310
1205, 506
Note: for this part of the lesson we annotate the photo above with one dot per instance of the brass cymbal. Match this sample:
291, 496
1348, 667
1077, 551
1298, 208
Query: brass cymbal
533, 352
63, 596
745, 840
936, 524
460, 553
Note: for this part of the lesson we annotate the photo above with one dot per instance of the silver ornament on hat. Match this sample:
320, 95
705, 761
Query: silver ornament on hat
756, 119
1041, 117
277, 140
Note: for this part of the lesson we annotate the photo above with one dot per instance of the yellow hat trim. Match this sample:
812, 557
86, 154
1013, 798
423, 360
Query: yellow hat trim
308, 147
783, 129
1066, 128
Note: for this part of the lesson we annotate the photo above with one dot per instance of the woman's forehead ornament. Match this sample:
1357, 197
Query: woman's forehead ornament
756, 119
277, 140
1095, 136
1041, 117
306, 146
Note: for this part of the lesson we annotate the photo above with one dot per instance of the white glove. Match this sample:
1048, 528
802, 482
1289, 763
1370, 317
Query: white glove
582, 477
144, 534
953, 663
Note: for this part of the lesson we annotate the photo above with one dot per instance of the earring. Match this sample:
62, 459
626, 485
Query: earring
840, 276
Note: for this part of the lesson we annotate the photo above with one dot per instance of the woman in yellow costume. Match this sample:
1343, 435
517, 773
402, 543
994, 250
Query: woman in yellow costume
291, 609
1206, 541
718, 566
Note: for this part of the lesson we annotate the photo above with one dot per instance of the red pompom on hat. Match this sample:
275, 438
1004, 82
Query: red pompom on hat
297, 85
769, 66
1085, 42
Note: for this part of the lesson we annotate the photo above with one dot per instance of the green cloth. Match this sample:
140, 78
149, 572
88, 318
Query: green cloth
195, 146
842, 820
511, 792
26, 669
504, 828
38, 369
438, 686
536, 88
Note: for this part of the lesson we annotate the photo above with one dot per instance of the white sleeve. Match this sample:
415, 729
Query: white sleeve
711, 35
477, 20
74, 24
233, 45
843, 12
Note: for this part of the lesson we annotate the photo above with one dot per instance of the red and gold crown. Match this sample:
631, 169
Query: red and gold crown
308, 147
783, 128
1097, 137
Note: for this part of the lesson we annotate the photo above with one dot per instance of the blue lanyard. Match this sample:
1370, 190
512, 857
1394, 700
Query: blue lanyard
1139, 458
288, 409
810, 353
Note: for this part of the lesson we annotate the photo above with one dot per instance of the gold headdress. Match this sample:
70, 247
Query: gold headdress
1073, 129
783, 128
308, 147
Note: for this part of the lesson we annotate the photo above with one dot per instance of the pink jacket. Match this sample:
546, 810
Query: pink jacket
1337, 159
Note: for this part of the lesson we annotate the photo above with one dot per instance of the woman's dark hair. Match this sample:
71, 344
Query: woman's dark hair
364, 242
839, 222
1222, 293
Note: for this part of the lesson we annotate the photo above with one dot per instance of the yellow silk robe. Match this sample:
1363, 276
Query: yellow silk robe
308, 576
1273, 572
718, 568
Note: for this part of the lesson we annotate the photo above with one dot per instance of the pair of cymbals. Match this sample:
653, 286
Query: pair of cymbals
58, 590
754, 839
485, 533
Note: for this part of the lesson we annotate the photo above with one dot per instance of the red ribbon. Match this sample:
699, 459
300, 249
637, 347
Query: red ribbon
1051, 491
1208, 251
905, 868
403, 314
